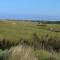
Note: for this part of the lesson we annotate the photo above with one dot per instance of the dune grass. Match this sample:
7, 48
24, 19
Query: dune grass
28, 53
29, 41
24, 29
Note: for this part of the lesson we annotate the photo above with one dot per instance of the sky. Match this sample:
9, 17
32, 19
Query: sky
30, 9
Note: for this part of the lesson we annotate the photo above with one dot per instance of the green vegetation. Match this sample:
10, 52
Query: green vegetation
27, 40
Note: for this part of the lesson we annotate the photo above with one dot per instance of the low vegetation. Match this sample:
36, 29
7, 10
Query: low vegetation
29, 41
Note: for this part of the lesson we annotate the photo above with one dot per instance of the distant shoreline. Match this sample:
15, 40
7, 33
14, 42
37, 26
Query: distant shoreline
40, 21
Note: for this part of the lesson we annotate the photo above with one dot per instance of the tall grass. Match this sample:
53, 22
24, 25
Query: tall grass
28, 53
45, 42
21, 53
29, 41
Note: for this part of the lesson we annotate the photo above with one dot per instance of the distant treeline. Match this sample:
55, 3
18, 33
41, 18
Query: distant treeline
45, 22
48, 22
40, 21
51, 22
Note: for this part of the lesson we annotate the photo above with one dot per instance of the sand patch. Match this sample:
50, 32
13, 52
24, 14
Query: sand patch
14, 23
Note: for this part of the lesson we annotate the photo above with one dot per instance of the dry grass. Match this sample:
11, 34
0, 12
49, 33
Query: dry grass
22, 32
21, 53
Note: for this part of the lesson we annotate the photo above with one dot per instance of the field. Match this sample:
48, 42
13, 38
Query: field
42, 40
14, 30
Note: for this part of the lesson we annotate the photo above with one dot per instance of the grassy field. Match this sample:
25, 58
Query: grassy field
43, 40
14, 30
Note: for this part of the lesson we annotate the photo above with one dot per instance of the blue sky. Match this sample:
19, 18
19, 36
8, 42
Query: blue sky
30, 9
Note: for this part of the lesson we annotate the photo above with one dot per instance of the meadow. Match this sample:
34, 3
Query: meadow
14, 30
27, 40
